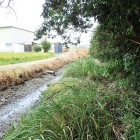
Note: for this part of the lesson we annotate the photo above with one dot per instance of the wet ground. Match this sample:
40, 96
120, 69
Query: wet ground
16, 100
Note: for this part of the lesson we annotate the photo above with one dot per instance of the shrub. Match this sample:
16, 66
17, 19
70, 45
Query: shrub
122, 56
37, 48
46, 45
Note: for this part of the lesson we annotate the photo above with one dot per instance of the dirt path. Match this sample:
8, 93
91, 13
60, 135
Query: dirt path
16, 74
26, 64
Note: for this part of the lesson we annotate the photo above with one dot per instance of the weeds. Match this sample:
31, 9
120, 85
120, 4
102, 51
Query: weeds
80, 108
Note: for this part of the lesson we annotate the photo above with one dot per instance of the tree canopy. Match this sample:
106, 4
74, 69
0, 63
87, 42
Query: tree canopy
119, 18
118, 35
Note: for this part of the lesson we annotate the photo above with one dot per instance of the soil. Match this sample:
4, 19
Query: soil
15, 94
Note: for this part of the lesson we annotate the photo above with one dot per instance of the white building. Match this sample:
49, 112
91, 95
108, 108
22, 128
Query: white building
13, 39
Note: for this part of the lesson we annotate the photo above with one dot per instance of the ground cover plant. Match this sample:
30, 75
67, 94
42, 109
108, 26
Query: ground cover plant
85, 104
12, 58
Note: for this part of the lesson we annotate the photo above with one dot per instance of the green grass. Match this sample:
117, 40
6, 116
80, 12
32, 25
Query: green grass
83, 105
12, 58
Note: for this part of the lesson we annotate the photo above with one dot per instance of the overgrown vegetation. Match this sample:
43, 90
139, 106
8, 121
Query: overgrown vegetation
120, 19
117, 38
122, 57
85, 104
98, 101
12, 58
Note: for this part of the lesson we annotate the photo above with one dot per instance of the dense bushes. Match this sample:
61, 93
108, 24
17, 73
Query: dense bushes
45, 45
123, 57
37, 48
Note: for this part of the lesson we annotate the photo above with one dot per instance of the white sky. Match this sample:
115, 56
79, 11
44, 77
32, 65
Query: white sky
27, 11
28, 16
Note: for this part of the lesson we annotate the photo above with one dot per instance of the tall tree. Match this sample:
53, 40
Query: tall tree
118, 17
7, 4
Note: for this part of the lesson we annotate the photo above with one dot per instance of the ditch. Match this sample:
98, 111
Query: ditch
16, 100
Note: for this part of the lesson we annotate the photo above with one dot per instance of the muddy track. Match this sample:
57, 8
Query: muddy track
11, 96
13, 93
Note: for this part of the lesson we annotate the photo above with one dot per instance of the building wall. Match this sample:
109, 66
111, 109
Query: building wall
12, 39
18, 48
6, 37
52, 48
22, 36
56, 48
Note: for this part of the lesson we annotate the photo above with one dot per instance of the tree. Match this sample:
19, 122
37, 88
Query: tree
119, 18
46, 45
8, 4
119, 23
37, 48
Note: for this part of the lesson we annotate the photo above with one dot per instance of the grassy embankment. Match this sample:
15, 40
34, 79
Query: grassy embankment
13, 58
17, 75
86, 104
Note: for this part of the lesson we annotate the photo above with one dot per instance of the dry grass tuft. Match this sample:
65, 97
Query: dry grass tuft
17, 75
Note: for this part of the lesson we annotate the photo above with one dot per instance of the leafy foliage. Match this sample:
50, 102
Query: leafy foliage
122, 57
119, 18
37, 48
46, 45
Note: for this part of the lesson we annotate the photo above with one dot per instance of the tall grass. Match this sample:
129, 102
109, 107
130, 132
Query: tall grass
86, 67
80, 108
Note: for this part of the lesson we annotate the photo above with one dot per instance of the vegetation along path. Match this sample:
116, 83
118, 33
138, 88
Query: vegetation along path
16, 74
16, 97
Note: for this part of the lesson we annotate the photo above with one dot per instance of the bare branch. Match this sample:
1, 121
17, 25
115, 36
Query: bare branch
8, 5
1, 2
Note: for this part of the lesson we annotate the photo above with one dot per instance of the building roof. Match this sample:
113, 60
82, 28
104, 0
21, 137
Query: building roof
2, 27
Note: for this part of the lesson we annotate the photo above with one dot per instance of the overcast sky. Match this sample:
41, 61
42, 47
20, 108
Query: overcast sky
27, 11
28, 16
